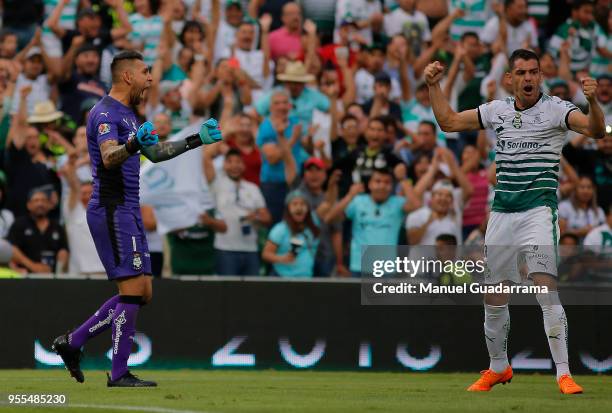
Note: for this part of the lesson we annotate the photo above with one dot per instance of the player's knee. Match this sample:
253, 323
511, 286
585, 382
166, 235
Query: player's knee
496, 298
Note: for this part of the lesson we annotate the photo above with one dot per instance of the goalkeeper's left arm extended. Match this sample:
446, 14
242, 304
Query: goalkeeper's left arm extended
209, 133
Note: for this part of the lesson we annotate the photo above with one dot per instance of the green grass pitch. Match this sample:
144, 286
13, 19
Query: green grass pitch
305, 392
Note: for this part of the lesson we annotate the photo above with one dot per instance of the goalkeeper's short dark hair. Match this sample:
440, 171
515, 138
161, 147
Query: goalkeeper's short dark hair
120, 60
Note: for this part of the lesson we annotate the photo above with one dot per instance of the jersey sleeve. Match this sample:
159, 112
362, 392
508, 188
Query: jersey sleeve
417, 218
486, 112
565, 208
351, 208
490, 31
266, 133
105, 128
277, 234
561, 110
259, 201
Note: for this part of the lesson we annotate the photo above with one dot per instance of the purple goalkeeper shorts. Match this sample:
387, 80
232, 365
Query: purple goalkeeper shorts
120, 240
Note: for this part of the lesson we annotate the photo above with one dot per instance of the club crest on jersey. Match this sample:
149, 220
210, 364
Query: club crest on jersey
103, 129
517, 122
137, 262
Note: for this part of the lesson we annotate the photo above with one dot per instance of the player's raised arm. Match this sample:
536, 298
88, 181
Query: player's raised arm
593, 124
448, 119
209, 133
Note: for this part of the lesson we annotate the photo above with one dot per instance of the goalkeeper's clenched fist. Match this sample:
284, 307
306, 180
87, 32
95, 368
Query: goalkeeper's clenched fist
210, 132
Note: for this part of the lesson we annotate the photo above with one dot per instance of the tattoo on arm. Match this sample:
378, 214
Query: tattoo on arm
168, 150
113, 154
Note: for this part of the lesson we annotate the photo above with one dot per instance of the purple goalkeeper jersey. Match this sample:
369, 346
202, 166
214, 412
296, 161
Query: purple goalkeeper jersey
110, 119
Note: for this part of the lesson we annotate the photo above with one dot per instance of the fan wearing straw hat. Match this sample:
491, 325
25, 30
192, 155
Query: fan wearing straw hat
303, 98
54, 127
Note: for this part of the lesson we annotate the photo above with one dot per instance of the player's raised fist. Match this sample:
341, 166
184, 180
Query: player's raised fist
589, 85
147, 135
433, 73
210, 132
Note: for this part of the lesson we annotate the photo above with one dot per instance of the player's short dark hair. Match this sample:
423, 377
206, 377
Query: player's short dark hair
469, 34
447, 239
122, 58
233, 152
522, 54
607, 209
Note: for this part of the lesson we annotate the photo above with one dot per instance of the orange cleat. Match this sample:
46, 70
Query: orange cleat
567, 385
489, 379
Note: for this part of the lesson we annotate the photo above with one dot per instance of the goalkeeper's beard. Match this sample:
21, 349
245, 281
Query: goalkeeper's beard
137, 96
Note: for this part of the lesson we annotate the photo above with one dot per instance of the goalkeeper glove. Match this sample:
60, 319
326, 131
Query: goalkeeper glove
147, 135
210, 132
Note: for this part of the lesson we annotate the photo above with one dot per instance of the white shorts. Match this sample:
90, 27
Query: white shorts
518, 244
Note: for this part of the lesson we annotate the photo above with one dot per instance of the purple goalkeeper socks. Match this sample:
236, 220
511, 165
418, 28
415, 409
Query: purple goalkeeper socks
124, 328
97, 323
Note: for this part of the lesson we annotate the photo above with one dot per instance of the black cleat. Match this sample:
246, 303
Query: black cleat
70, 356
129, 380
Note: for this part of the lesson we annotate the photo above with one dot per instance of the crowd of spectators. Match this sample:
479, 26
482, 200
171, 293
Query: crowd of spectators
330, 142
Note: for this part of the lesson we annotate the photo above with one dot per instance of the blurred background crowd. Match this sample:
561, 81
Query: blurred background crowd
330, 142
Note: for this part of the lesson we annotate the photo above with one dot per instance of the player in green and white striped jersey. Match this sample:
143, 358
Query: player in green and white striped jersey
67, 20
477, 12
531, 129
580, 31
147, 27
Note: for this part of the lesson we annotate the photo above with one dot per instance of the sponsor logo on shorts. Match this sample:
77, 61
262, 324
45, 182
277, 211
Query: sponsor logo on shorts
137, 262
103, 129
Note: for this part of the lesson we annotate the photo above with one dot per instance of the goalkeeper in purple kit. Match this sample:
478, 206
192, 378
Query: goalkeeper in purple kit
114, 140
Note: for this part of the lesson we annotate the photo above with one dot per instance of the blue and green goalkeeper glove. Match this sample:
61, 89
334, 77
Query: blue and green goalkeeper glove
210, 132
147, 135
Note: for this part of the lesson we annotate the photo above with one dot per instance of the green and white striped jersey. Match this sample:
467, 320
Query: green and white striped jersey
582, 44
538, 9
528, 150
67, 18
478, 12
147, 31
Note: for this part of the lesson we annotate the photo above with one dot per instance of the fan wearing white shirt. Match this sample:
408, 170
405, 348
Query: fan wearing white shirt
255, 63
601, 236
513, 24
84, 257
243, 208
409, 22
427, 223
225, 27
580, 214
